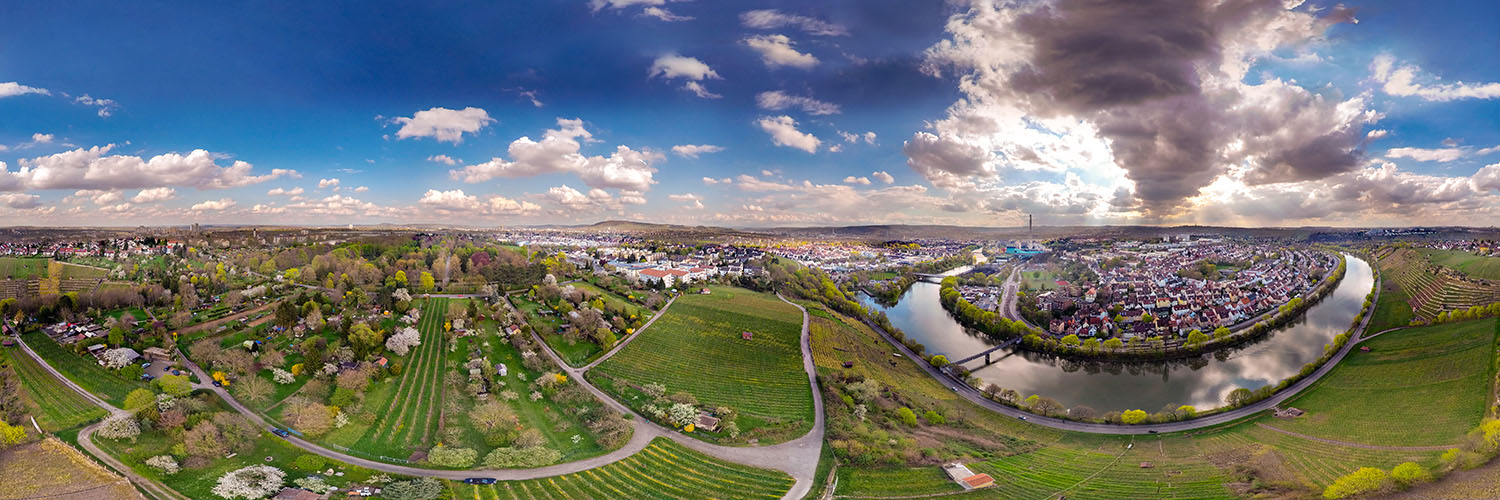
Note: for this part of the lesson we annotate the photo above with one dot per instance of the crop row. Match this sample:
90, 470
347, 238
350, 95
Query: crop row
61, 408
663, 470
1080, 474
415, 399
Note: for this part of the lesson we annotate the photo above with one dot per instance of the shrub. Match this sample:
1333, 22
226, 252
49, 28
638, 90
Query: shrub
164, 463
534, 456
425, 488
1364, 480
1133, 416
934, 418
139, 398
309, 463
446, 456
907, 416
1410, 473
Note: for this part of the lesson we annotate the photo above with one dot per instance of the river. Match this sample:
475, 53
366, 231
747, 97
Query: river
1105, 386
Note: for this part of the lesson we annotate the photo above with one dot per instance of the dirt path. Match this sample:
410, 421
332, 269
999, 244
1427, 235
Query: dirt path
1356, 445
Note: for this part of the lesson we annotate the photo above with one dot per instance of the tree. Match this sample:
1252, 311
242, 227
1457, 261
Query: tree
1410, 473
939, 360
535, 456
286, 314
256, 481
1238, 397
115, 359
1196, 338
492, 415
427, 282
1221, 332
120, 427
1364, 480
164, 463
364, 338
682, 414
1186, 411
401, 278
204, 440
312, 418
176, 385
1114, 344
139, 398
403, 340
1133, 416
1070, 340
254, 389
1047, 406
425, 488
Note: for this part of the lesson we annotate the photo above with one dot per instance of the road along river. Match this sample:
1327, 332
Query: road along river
1105, 386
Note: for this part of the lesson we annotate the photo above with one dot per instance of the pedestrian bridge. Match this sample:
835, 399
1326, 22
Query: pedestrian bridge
986, 353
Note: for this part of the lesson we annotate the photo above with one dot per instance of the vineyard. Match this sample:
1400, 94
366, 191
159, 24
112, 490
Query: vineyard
58, 406
1417, 387
1433, 288
18, 268
52, 469
25, 277
697, 347
410, 419
1479, 266
1102, 474
663, 470
82, 370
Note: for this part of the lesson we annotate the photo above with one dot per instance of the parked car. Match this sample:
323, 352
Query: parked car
147, 377
279, 432
480, 480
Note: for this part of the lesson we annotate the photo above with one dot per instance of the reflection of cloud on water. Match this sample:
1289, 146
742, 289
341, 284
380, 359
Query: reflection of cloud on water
1105, 386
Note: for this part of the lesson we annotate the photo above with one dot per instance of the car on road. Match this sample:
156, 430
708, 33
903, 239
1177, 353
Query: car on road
1152, 431
480, 480
1022, 417
279, 432
217, 384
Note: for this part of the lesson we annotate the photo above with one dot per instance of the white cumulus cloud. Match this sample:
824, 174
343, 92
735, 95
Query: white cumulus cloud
776, 51
783, 130
443, 124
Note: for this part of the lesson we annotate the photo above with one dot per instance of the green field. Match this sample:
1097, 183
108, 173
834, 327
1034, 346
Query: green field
408, 421
1392, 310
1472, 264
56, 405
696, 347
1416, 387
663, 470
1039, 280
83, 370
21, 268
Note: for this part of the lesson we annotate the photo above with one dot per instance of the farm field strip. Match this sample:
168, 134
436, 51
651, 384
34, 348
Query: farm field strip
82, 370
397, 425
1090, 475
663, 470
60, 407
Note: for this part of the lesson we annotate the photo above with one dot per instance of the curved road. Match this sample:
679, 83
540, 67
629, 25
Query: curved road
977, 397
798, 457
85, 436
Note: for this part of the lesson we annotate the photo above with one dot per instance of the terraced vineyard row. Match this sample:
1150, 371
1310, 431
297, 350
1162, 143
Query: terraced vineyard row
60, 407
1433, 289
698, 347
1317, 463
82, 370
663, 470
410, 420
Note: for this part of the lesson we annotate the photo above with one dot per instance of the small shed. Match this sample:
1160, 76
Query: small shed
501, 370
707, 422
746, 335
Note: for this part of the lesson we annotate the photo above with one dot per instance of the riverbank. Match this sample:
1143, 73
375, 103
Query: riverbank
1155, 348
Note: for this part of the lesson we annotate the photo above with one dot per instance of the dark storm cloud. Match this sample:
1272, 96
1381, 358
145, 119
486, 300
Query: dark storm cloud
1162, 81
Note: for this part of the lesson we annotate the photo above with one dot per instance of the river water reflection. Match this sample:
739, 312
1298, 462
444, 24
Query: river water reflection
1202, 382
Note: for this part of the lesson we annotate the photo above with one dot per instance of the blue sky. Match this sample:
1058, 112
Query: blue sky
832, 113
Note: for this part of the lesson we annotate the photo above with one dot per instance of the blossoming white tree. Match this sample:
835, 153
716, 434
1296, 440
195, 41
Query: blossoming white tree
403, 340
256, 481
165, 463
282, 376
120, 427
115, 359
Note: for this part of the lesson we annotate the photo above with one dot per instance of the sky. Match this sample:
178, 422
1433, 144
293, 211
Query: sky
750, 114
